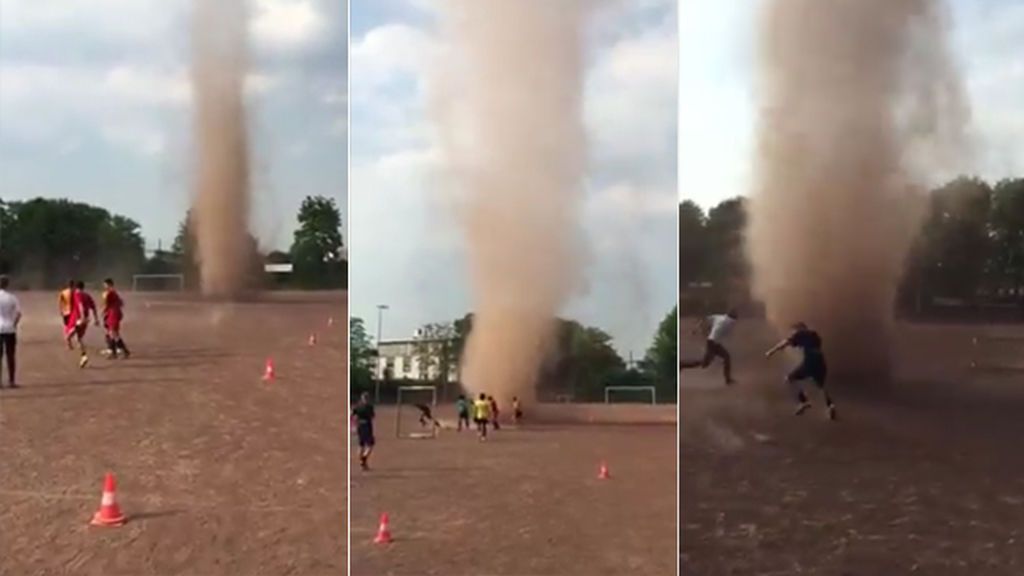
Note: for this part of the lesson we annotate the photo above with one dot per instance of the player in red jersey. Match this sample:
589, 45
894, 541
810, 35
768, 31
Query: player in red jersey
74, 327
113, 315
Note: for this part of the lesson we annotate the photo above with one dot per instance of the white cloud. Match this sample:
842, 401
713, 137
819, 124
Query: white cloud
286, 24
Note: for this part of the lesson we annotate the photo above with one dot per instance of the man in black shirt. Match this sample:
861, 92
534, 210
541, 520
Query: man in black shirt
363, 415
813, 366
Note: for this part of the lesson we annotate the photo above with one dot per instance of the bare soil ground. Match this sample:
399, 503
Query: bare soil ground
218, 472
525, 503
926, 477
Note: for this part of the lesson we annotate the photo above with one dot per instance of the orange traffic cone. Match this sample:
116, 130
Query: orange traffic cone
330, 321
312, 339
109, 513
384, 532
268, 371
602, 473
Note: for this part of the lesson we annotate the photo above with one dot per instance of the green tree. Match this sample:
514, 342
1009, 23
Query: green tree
47, 241
1008, 236
661, 362
693, 249
361, 358
953, 251
583, 362
317, 248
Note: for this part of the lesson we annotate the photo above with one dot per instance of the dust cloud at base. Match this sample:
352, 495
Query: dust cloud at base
859, 106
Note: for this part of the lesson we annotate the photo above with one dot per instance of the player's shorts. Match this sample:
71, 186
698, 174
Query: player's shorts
810, 369
112, 322
81, 329
464, 416
481, 420
65, 318
365, 434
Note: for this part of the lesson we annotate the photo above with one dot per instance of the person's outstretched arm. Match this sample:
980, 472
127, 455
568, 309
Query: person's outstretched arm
780, 346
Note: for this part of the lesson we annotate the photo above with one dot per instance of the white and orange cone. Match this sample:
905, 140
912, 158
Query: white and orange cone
312, 339
384, 531
109, 513
602, 473
268, 371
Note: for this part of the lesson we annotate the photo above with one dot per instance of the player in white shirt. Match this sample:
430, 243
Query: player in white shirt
10, 317
717, 327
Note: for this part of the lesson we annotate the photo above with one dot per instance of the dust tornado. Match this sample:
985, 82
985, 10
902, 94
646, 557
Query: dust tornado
221, 202
859, 104
515, 147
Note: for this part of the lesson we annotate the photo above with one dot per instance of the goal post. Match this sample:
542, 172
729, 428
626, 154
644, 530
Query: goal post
635, 395
408, 422
158, 282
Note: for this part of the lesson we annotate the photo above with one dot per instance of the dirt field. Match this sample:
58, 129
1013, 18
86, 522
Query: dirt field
525, 503
218, 472
926, 478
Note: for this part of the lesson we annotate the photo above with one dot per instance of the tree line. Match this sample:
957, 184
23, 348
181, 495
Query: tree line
44, 241
580, 365
968, 257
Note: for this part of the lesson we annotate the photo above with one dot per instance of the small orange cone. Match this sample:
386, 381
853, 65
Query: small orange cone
330, 321
312, 339
109, 513
268, 371
603, 474
384, 532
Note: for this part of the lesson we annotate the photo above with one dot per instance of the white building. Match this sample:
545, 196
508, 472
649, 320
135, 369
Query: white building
398, 359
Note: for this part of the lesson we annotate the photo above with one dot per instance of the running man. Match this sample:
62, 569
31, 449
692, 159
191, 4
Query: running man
494, 413
113, 315
88, 310
64, 301
813, 366
462, 409
10, 318
717, 327
73, 328
427, 416
363, 415
482, 415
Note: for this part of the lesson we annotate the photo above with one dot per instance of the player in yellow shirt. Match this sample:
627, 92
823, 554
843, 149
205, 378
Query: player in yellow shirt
482, 415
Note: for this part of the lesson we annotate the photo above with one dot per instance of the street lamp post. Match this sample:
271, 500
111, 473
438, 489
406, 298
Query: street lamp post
380, 371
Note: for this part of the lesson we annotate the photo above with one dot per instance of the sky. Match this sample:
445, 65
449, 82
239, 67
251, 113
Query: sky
95, 106
717, 115
407, 249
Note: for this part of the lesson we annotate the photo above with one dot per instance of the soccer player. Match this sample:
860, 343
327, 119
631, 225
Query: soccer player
88, 310
517, 411
113, 315
10, 318
73, 328
494, 413
482, 415
363, 415
427, 416
717, 327
813, 366
64, 300
462, 409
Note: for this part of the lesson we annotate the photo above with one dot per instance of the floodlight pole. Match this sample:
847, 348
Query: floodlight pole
380, 371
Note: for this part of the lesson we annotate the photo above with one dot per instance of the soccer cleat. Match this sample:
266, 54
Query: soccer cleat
83, 362
802, 408
832, 412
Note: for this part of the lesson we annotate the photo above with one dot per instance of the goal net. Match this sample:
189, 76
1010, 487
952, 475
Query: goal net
410, 421
158, 283
629, 395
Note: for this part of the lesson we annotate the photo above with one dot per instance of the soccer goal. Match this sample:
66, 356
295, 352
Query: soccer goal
158, 283
410, 421
629, 395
